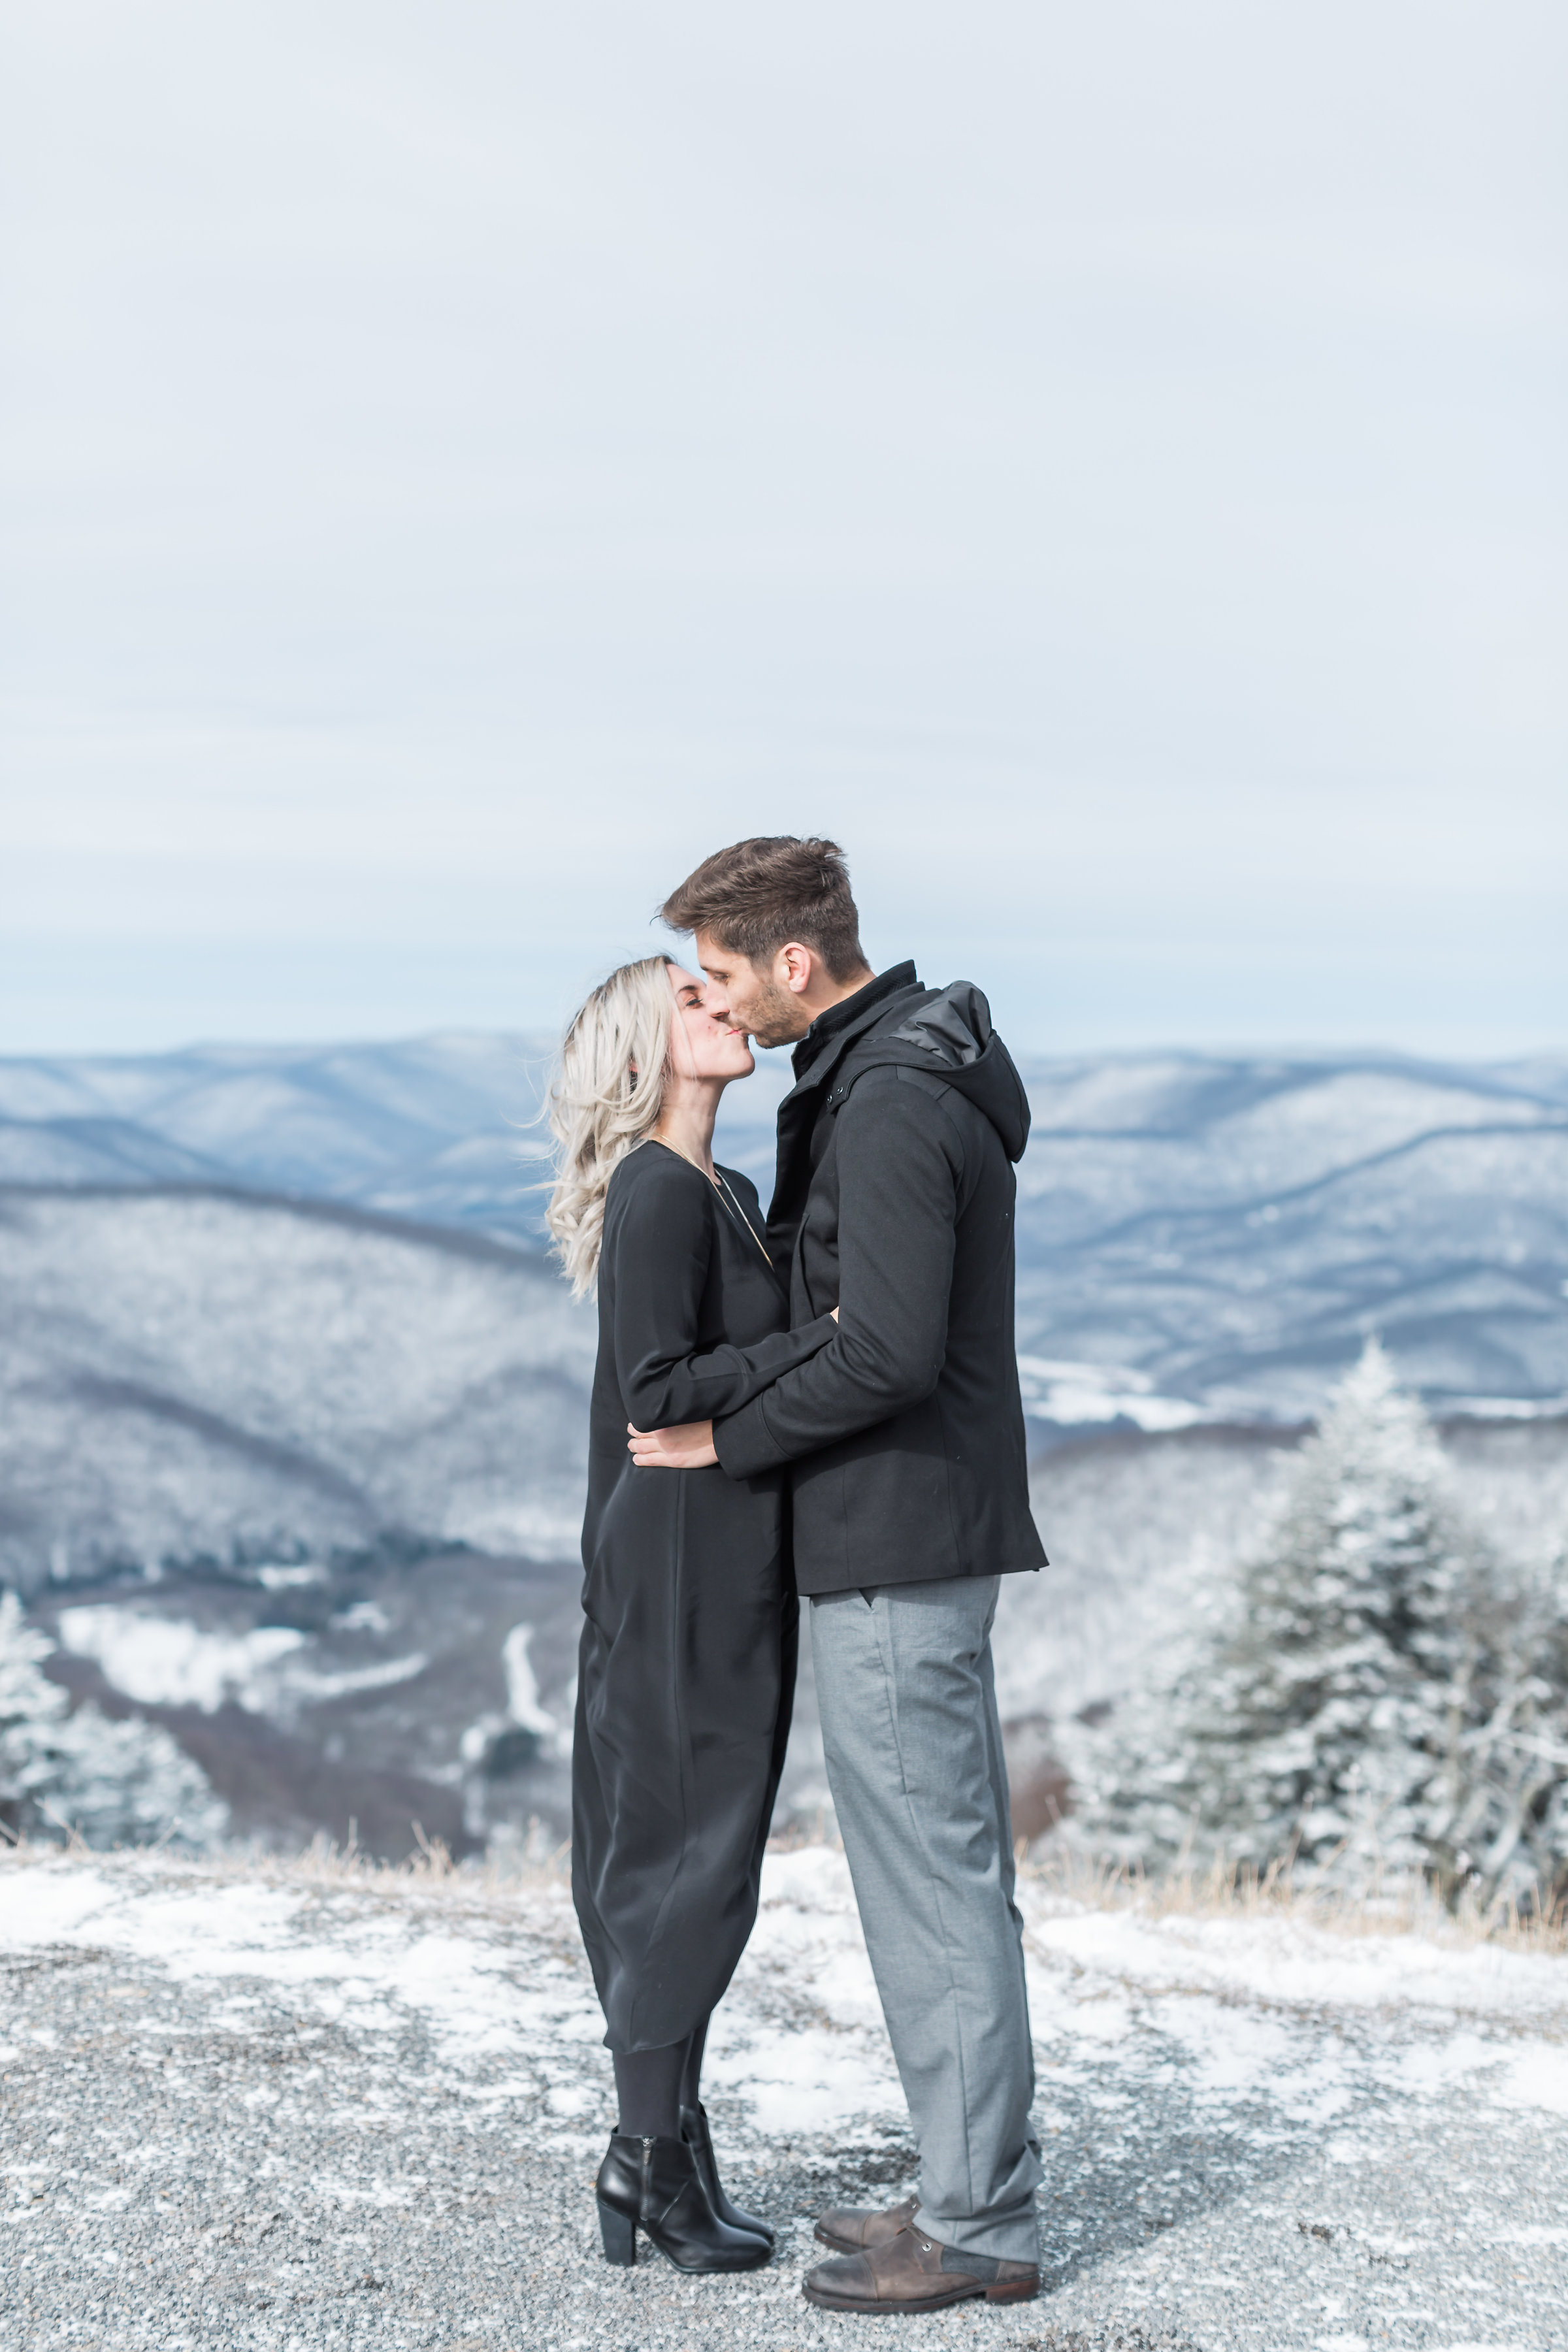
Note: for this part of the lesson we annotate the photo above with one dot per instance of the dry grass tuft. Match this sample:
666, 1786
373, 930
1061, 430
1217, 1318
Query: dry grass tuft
527, 1866
535, 1864
1239, 1890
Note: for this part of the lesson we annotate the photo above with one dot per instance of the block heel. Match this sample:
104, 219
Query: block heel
655, 2186
619, 2233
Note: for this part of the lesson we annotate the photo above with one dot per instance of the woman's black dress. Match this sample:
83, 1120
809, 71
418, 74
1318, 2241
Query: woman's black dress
687, 1670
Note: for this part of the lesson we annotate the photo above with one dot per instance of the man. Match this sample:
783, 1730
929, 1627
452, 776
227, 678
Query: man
905, 1439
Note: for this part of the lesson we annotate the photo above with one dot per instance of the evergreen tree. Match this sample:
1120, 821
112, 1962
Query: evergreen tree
1372, 1693
1509, 1826
113, 1783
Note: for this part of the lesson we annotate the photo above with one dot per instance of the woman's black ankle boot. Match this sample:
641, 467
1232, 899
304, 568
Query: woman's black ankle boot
657, 2185
694, 2131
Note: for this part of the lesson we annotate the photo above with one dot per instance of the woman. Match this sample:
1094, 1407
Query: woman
688, 1656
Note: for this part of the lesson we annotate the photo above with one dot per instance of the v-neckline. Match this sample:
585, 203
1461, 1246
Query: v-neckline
717, 1184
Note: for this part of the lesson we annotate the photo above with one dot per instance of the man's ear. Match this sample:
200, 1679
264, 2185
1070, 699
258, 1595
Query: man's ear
793, 968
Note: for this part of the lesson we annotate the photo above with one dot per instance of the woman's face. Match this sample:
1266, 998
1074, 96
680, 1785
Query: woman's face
700, 1045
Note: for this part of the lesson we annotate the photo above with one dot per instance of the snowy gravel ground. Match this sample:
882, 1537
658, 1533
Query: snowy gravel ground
300, 2109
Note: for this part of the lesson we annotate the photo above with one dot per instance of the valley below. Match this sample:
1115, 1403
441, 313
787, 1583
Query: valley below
292, 1406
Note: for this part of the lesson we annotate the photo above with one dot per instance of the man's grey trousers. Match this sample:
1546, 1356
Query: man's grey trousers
907, 1702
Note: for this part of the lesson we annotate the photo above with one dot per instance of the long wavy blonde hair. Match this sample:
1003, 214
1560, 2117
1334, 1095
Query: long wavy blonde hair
605, 1099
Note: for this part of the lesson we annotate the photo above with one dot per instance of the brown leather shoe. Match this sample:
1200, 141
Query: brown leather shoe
913, 2273
850, 2228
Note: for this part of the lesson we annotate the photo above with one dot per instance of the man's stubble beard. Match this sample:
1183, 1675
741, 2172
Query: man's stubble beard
773, 1016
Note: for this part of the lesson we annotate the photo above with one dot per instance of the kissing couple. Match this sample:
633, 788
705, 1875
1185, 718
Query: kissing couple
823, 1403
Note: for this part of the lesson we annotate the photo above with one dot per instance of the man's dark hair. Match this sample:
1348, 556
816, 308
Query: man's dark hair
758, 895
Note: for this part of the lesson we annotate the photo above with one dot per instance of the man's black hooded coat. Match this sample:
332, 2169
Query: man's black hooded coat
895, 1203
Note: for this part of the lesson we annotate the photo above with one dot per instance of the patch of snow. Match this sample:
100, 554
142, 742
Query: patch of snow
46, 1907
1253, 2014
301, 1682
1073, 1394
524, 1713
523, 1688
1540, 2079
1288, 1961
167, 1662
363, 1617
1495, 1407
380, 2193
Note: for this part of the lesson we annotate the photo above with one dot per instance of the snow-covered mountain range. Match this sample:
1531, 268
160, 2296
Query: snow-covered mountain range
1233, 1230
254, 1298
276, 1331
440, 1129
1198, 1235
195, 1372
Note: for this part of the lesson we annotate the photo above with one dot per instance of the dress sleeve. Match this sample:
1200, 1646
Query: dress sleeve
660, 1236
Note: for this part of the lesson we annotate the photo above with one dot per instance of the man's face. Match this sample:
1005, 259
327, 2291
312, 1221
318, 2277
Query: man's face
760, 1002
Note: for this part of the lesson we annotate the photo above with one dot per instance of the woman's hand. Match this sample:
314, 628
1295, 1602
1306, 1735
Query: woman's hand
688, 1446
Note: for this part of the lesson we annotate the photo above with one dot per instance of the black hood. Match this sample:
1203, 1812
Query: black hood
949, 1036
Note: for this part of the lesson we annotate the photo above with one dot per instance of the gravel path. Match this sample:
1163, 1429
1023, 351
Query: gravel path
308, 2111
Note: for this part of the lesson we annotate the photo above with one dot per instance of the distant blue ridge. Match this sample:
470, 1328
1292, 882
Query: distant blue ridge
1223, 1230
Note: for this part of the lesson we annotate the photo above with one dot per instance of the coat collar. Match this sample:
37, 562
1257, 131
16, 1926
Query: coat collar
841, 1022
818, 1055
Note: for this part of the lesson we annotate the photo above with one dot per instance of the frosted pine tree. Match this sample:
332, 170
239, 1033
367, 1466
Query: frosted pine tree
1509, 1829
113, 1783
1370, 1694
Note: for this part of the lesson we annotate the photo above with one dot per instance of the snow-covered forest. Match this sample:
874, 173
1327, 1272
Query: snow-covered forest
1375, 1691
292, 1428
112, 1783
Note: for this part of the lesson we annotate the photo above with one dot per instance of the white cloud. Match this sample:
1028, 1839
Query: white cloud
1101, 463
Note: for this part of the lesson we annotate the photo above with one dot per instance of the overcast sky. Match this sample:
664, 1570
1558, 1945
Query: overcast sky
1102, 464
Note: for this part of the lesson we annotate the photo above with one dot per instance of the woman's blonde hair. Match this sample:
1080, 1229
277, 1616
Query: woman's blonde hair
605, 1100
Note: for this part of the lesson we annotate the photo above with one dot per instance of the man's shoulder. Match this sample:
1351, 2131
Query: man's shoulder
899, 1094
895, 1012
875, 1077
